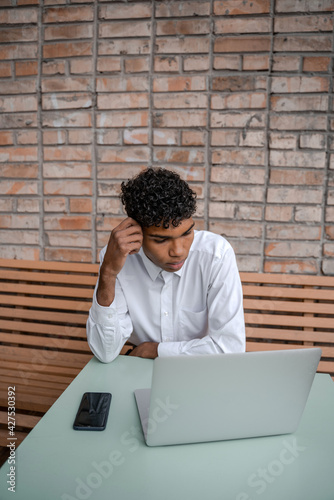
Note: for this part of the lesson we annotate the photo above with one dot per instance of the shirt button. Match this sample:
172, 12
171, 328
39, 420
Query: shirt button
166, 313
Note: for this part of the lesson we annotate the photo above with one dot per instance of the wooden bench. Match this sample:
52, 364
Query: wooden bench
285, 311
44, 308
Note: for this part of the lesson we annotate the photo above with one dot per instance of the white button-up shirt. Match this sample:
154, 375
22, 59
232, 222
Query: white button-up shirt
195, 310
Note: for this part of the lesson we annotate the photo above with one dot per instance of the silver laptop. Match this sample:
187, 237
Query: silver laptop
227, 396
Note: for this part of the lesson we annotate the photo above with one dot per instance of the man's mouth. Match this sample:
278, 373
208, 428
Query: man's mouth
175, 265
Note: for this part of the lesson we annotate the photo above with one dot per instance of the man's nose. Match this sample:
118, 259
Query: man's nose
176, 248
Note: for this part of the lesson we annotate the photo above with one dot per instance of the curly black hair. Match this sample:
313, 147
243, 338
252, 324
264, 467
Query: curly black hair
156, 197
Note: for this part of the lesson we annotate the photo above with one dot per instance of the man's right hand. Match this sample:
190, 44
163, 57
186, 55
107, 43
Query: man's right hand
125, 239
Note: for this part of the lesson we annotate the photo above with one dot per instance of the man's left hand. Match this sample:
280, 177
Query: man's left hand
146, 350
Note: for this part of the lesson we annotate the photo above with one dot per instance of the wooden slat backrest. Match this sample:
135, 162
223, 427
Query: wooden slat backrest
290, 311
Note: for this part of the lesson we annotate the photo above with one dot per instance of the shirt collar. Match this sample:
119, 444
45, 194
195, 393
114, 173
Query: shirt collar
152, 269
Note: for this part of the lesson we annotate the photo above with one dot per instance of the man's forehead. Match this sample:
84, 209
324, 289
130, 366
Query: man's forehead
170, 232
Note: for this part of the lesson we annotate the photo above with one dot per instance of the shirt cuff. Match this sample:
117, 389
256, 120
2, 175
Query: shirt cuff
102, 315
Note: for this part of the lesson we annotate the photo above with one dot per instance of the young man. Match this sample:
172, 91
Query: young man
166, 288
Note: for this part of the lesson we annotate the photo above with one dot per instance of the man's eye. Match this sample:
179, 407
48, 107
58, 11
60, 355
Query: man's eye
159, 241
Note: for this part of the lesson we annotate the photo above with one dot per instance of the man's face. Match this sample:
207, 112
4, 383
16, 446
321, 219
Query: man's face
169, 248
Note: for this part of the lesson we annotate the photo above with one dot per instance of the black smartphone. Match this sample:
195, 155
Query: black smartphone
93, 412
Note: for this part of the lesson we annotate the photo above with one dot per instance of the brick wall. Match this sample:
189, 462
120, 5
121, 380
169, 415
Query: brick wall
234, 95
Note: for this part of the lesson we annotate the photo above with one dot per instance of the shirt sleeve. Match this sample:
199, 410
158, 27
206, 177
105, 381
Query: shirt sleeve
108, 328
226, 325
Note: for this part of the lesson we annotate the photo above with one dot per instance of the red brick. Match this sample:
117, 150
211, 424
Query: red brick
68, 14
299, 103
278, 213
55, 205
68, 255
165, 136
239, 83
179, 155
292, 232
179, 83
242, 25
177, 119
109, 206
71, 153
125, 84
242, 44
19, 51
166, 63
307, 159
16, 170
67, 119
183, 9
67, 187
299, 84
129, 154
27, 137
291, 266
294, 24
245, 156
116, 119
71, 31
15, 221
67, 49
23, 34
193, 138
28, 205
179, 101
18, 187
296, 177
196, 63
286, 63
239, 100
125, 11
54, 137
184, 45
109, 64
53, 68
66, 84
26, 68
67, 101
237, 193
108, 137
19, 16
302, 43
18, 154
83, 136
238, 120
303, 6
18, 103
237, 7
123, 29
81, 66
235, 175
64, 239
123, 47
255, 62
227, 62
67, 170
298, 122
120, 101
292, 249
6, 138
222, 210
317, 63
308, 214
81, 205
294, 195
137, 65
235, 229
184, 27
136, 136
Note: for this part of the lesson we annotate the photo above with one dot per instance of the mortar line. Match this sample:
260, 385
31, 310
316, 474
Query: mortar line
42, 236
267, 135
94, 138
